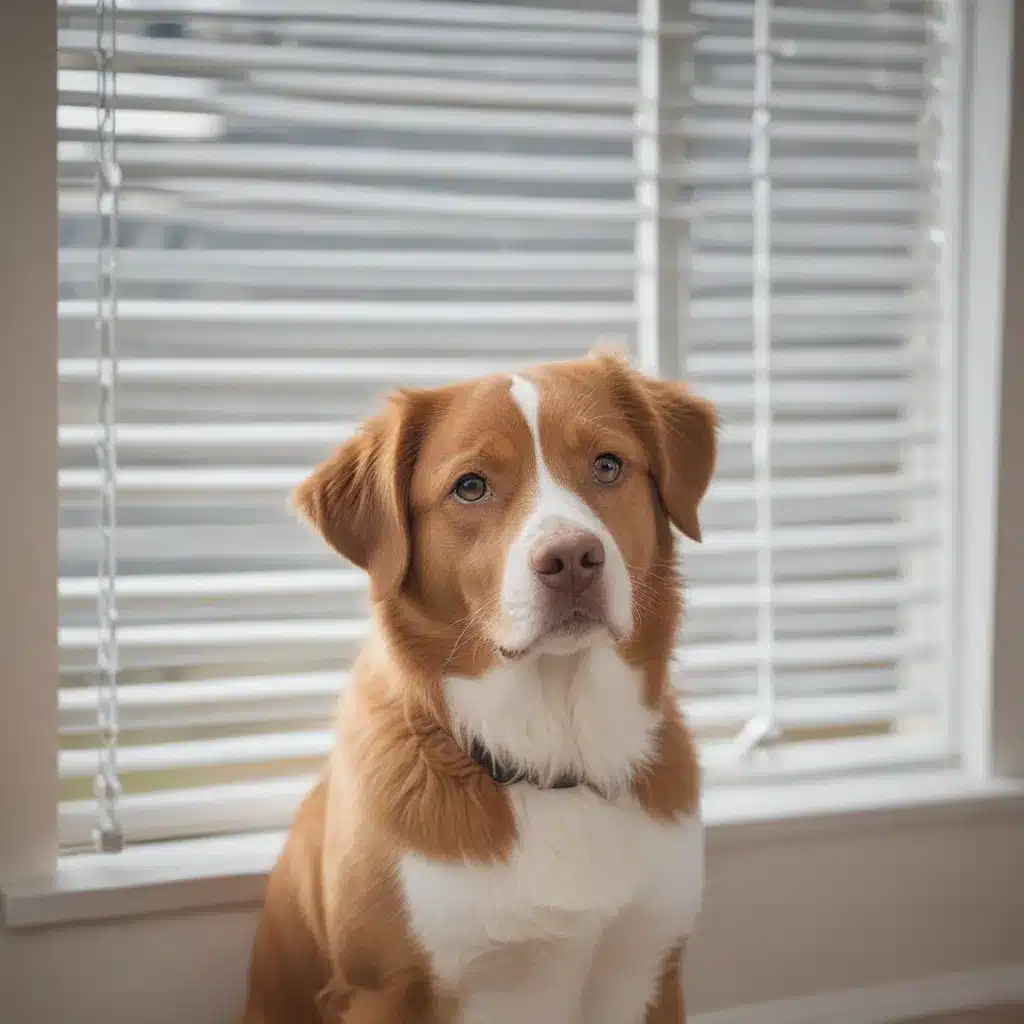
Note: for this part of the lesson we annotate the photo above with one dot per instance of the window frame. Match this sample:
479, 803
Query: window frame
41, 888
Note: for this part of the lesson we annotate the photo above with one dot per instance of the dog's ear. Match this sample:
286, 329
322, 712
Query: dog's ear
679, 430
686, 427
358, 499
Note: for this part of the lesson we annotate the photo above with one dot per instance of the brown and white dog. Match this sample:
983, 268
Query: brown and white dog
508, 829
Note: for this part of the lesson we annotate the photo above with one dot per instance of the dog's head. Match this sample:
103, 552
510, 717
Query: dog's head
516, 515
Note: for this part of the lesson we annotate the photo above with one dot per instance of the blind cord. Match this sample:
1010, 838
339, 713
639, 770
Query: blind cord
108, 836
763, 728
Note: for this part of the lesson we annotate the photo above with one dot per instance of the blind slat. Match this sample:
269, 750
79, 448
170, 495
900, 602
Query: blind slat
304, 746
438, 11
278, 436
328, 581
254, 807
229, 480
191, 55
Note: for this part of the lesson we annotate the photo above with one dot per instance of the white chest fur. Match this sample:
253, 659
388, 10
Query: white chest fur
574, 927
594, 896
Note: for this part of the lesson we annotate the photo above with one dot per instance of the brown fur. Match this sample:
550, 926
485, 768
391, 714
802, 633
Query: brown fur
669, 1007
333, 943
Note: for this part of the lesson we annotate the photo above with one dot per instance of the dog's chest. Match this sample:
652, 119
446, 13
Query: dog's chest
575, 925
585, 873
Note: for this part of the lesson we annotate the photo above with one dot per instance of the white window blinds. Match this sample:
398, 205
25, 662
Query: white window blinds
316, 201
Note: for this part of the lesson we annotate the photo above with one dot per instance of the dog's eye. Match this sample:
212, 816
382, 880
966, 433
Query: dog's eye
607, 468
470, 487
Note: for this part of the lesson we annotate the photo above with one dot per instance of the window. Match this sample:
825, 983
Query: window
316, 202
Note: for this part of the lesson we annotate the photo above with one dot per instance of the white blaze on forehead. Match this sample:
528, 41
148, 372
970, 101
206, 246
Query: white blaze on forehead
553, 502
555, 507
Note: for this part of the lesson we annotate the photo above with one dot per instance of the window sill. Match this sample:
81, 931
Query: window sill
231, 872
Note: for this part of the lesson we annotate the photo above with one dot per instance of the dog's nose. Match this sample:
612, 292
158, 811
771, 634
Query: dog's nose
568, 562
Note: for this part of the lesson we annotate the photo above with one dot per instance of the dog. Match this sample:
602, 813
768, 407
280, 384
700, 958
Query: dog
508, 829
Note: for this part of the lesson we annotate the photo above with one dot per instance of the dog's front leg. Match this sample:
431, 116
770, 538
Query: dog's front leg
669, 1004
401, 1003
